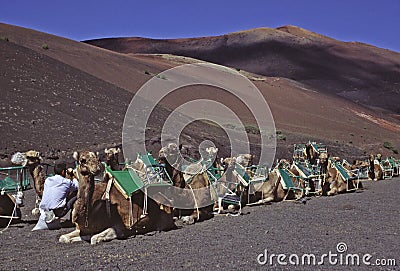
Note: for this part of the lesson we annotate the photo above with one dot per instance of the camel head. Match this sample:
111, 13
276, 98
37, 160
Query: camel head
88, 163
33, 158
111, 152
170, 153
283, 163
229, 161
168, 157
323, 158
112, 157
245, 159
29, 158
212, 151
371, 157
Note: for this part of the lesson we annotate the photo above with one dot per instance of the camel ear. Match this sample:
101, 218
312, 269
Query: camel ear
97, 154
76, 155
118, 150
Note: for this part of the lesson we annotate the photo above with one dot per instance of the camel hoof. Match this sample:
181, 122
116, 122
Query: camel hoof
36, 212
94, 241
188, 220
64, 239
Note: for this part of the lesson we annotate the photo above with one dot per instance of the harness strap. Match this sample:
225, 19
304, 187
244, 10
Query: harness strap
106, 196
130, 213
195, 202
145, 203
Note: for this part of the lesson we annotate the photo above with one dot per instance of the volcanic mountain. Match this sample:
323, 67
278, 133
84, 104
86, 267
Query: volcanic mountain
60, 95
359, 72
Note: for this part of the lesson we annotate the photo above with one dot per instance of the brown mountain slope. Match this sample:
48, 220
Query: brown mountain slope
74, 95
49, 105
356, 71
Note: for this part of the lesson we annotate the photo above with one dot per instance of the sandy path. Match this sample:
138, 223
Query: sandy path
367, 221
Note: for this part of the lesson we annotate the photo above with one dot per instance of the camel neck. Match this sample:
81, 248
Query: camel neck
84, 197
113, 164
175, 175
86, 186
38, 176
34, 169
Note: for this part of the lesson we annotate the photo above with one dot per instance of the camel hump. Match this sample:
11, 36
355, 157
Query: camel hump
194, 169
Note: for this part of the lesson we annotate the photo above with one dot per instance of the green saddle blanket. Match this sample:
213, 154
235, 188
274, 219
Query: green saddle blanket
126, 181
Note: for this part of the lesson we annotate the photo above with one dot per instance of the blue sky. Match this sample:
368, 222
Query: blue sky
373, 22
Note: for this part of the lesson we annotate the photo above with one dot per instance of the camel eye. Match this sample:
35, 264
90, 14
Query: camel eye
83, 161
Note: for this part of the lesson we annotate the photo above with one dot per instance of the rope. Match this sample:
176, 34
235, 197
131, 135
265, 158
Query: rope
195, 202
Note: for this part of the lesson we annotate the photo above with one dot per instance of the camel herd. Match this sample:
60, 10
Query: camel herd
117, 200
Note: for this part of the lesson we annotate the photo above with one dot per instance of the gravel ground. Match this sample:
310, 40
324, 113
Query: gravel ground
367, 221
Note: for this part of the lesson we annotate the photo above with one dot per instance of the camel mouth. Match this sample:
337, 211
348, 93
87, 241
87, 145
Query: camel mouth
98, 169
85, 170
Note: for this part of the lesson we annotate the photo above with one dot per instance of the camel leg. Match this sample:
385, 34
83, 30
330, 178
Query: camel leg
332, 192
342, 188
36, 212
70, 237
106, 235
267, 199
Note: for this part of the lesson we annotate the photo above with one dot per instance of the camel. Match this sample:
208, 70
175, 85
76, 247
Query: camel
273, 190
375, 170
195, 193
357, 164
147, 173
268, 191
212, 156
138, 166
307, 182
387, 169
244, 160
9, 210
362, 167
112, 158
102, 213
310, 154
32, 160
333, 182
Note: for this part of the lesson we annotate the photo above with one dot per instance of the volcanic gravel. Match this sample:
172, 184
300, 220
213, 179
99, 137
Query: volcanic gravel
367, 221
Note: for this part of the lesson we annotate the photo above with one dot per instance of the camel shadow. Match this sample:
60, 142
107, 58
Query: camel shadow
28, 222
67, 224
23, 223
